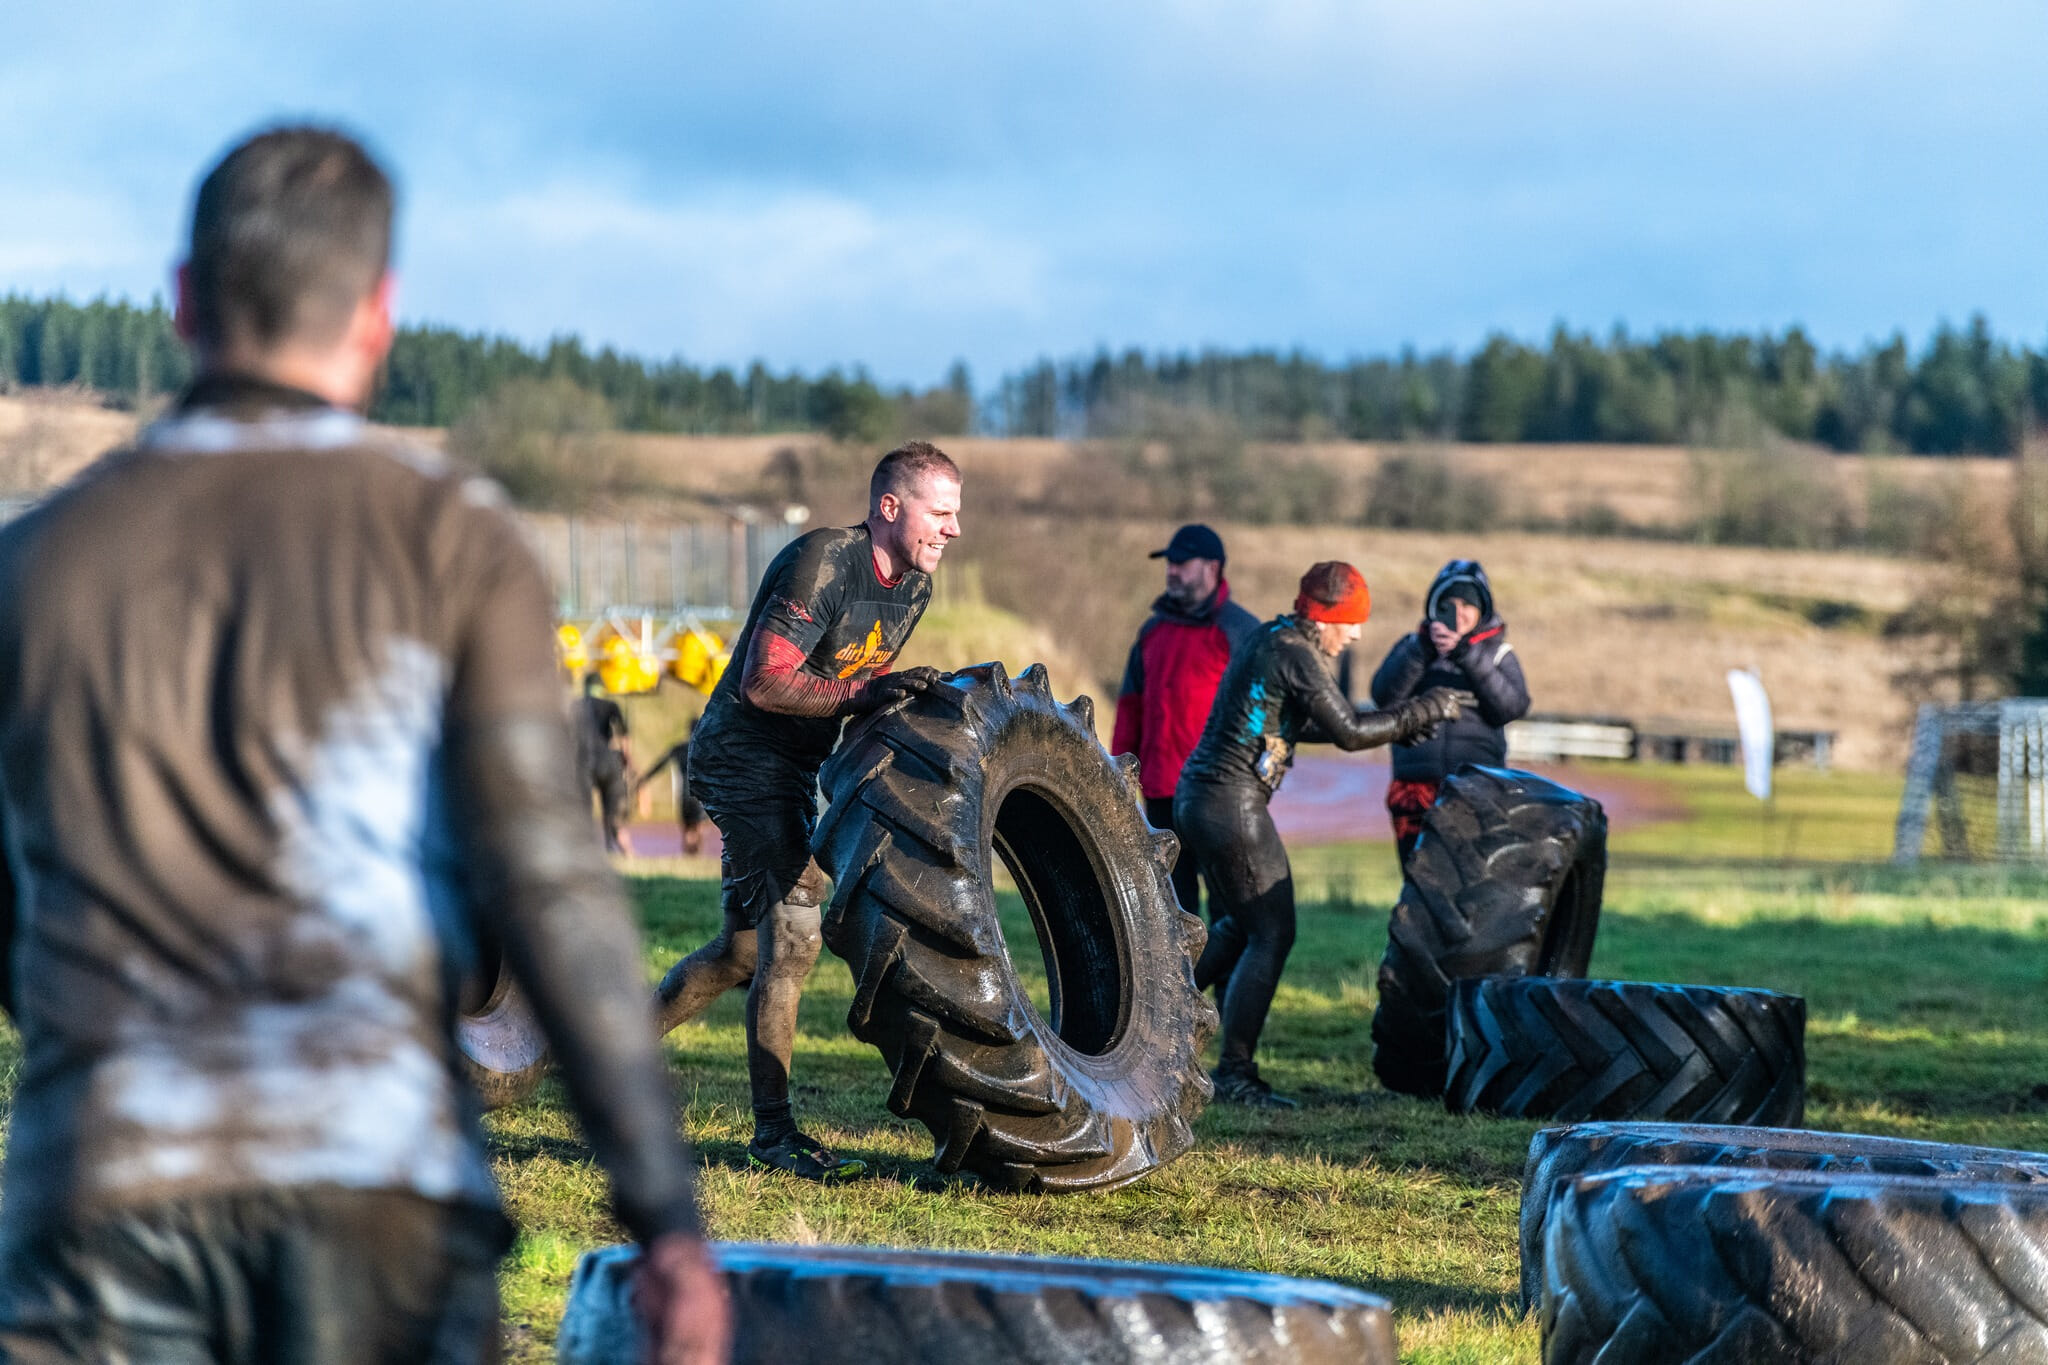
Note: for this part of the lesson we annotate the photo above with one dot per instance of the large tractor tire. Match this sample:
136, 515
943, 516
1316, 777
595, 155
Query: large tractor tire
926, 800
1505, 881
1557, 1156
836, 1305
1650, 1264
503, 1052
1535, 1047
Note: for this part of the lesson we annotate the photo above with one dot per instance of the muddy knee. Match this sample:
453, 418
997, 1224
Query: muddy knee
810, 888
723, 963
793, 939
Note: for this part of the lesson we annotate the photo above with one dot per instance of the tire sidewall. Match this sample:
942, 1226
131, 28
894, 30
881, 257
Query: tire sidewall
1029, 746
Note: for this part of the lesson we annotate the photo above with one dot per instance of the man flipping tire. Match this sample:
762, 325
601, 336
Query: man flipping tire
833, 611
1281, 688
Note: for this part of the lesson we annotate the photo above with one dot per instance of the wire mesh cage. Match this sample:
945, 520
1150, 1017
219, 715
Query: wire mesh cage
1977, 783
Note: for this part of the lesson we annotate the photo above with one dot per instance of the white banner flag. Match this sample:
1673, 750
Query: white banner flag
1753, 723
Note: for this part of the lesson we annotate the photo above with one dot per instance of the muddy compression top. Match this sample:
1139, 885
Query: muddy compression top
280, 733
1278, 691
822, 626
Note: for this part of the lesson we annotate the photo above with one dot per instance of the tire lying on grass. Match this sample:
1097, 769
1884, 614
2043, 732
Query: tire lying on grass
503, 1052
1533, 1047
926, 799
1723, 1267
831, 1305
1505, 881
1559, 1155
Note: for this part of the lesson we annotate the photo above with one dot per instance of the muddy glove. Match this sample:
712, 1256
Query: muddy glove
1418, 717
894, 687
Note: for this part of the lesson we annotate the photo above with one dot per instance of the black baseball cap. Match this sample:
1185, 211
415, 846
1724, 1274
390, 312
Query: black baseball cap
1193, 541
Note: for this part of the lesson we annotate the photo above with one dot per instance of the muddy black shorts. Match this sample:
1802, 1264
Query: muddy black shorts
317, 1276
765, 805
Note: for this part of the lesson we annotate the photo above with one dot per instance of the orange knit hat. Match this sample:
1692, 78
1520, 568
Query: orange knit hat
1335, 592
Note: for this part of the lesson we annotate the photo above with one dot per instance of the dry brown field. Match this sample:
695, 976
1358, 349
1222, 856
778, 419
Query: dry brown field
1646, 486
47, 437
1629, 627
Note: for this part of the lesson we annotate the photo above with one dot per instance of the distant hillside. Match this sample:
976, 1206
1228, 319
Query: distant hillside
1965, 391
1604, 624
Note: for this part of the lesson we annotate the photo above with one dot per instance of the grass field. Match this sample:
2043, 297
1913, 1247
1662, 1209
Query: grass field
1923, 991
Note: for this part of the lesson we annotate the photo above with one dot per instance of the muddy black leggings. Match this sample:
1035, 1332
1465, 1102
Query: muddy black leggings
770, 896
1251, 892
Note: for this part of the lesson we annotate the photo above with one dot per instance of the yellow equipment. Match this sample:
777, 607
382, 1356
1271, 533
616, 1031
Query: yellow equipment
569, 641
632, 660
696, 649
627, 669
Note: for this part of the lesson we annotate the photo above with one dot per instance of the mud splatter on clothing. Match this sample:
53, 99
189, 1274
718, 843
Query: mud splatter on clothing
822, 595
256, 676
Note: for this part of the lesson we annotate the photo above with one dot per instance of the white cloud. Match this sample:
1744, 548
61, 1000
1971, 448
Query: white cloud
898, 183
803, 278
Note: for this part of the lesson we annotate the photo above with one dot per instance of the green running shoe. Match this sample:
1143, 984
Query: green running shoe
802, 1157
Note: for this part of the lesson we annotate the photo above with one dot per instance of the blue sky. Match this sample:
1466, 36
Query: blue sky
817, 182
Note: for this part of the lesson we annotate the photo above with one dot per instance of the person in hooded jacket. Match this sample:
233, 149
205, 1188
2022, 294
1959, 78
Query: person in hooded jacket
1280, 690
1461, 643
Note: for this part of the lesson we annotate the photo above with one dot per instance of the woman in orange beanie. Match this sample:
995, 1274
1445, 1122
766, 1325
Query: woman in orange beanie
1280, 690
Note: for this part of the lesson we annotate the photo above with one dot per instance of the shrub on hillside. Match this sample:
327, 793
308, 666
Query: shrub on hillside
550, 442
1913, 520
1777, 497
1423, 493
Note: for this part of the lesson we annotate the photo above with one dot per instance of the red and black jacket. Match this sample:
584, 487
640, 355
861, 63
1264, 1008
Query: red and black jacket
1170, 681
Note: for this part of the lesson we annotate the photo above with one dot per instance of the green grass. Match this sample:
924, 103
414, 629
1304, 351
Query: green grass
1923, 990
1812, 816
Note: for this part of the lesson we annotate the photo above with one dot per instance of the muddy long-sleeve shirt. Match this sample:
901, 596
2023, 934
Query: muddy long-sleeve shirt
281, 743
825, 620
1280, 690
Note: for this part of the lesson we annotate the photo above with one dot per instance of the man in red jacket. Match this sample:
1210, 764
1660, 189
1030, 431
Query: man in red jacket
1172, 676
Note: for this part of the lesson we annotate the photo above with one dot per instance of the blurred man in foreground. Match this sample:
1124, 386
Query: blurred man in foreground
280, 739
1462, 643
833, 611
1171, 678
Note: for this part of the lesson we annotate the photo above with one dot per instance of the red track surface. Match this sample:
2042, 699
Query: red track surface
1328, 798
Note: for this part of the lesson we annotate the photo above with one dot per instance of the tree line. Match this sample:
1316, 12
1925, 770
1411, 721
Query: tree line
1966, 391
131, 354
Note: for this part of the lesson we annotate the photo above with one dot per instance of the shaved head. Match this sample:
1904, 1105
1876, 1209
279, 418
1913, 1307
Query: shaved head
906, 467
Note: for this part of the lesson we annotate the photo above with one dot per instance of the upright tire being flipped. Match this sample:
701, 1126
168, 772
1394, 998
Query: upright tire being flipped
1505, 881
1710, 1266
1557, 1156
925, 800
841, 1305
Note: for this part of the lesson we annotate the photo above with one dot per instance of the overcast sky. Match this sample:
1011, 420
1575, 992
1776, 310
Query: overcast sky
817, 182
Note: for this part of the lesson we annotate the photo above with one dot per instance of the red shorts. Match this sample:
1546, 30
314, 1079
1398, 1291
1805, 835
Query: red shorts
1406, 801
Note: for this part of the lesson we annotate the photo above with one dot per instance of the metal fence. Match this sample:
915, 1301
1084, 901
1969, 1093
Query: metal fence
706, 570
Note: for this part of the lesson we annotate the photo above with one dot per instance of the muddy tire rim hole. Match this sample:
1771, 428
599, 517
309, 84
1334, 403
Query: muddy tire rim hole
1061, 878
